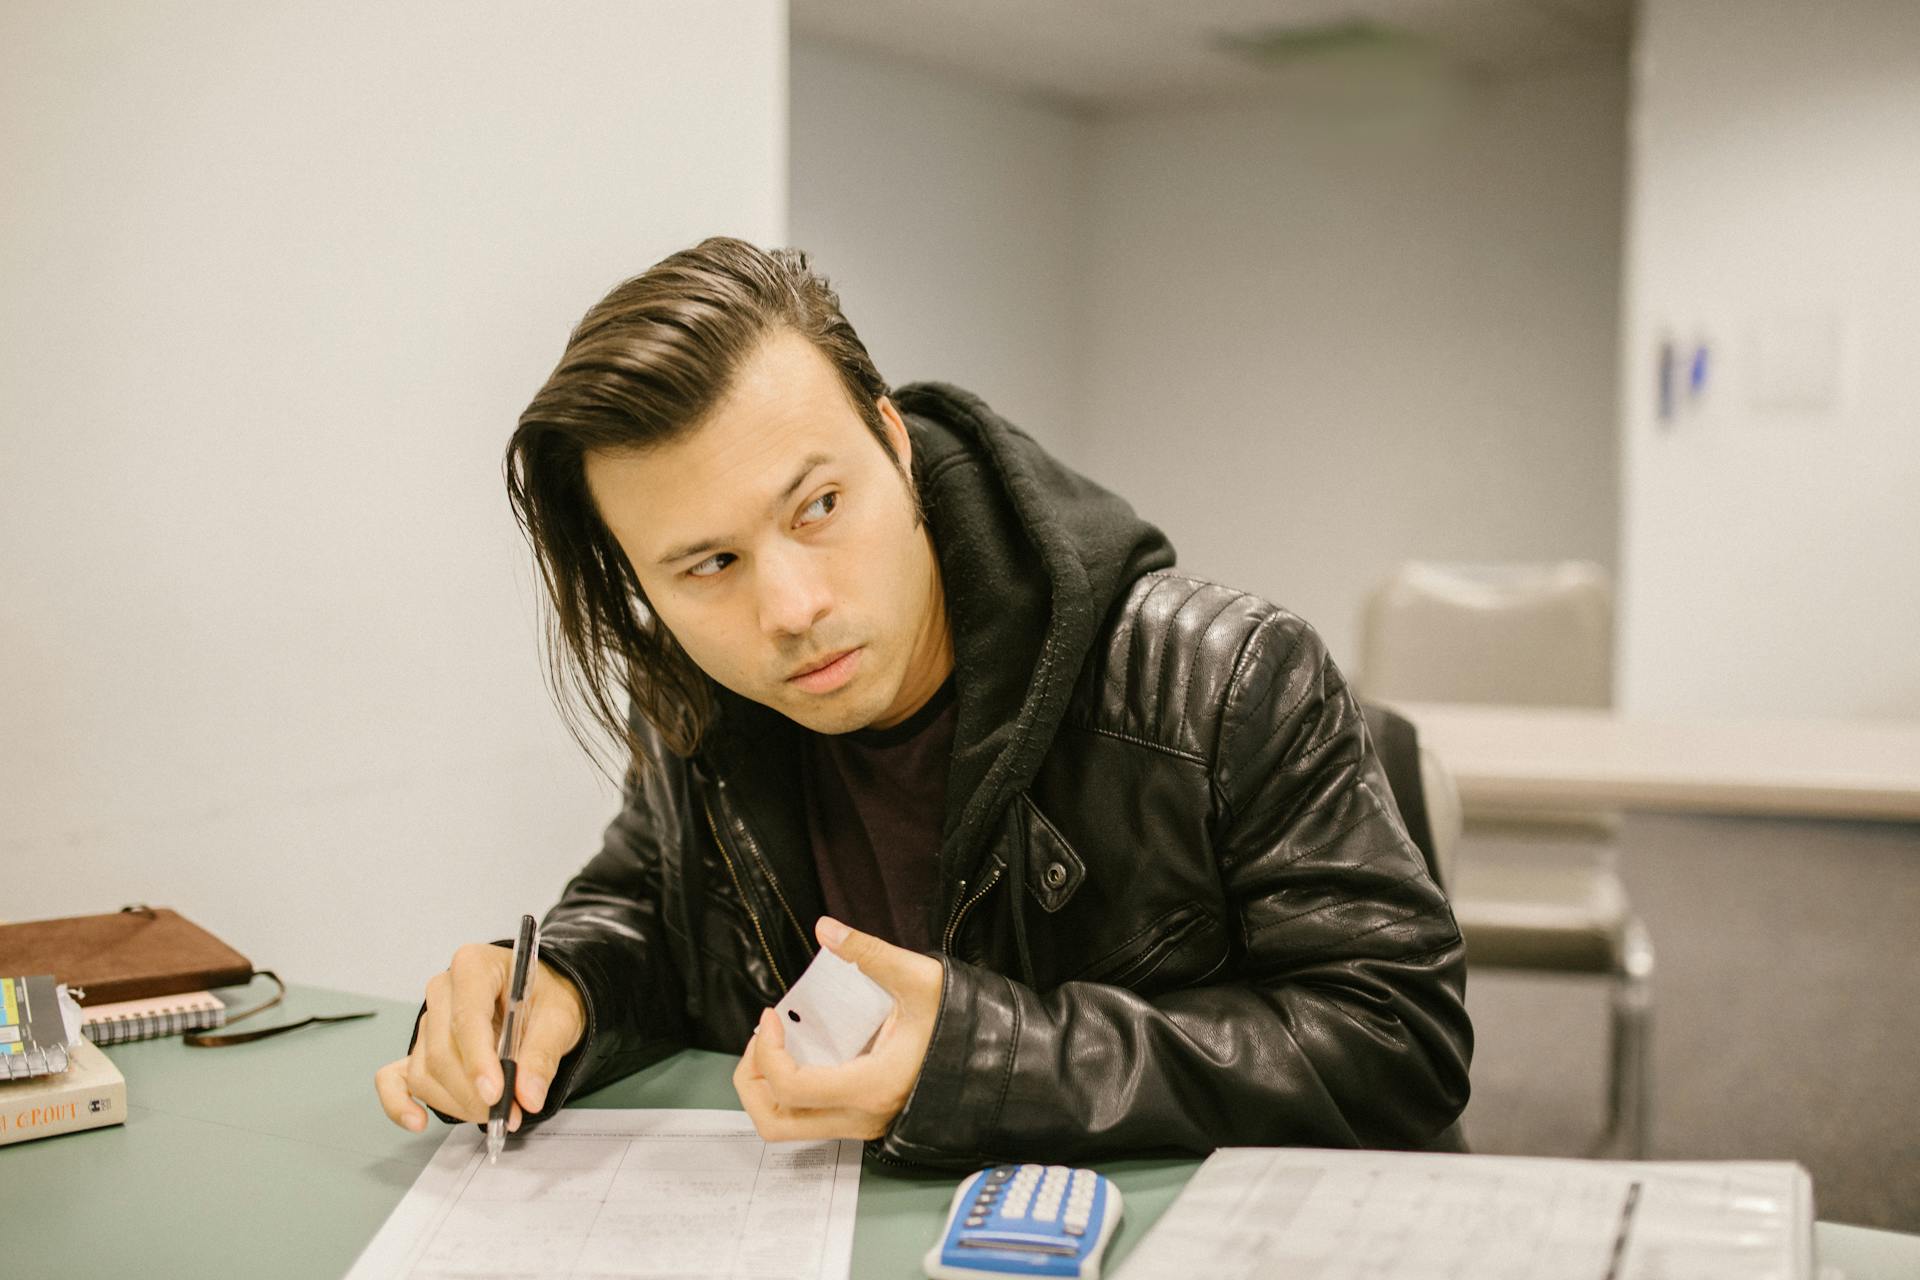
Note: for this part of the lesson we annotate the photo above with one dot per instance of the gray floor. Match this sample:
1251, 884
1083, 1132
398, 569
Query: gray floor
1787, 1012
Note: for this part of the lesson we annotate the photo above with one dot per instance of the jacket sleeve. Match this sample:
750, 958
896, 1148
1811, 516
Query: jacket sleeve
608, 933
1343, 1024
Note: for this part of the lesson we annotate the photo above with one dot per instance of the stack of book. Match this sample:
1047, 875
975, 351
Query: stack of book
135, 974
54, 1081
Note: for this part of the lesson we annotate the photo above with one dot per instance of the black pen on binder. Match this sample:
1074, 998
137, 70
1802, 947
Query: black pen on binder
526, 954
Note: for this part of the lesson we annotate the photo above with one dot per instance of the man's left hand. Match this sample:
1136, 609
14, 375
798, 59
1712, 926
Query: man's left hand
861, 1097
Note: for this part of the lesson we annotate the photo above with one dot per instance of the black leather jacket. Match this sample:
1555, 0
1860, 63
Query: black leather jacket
1178, 910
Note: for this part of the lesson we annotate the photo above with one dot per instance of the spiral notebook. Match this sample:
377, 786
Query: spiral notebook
125, 1020
36, 1027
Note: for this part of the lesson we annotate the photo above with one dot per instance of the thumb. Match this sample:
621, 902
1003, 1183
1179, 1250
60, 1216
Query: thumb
886, 964
554, 1026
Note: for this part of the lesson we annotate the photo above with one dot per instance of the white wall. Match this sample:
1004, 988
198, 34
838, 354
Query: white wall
946, 215
1771, 533
1324, 337
279, 278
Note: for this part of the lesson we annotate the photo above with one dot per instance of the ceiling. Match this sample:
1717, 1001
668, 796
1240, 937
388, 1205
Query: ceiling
1109, 55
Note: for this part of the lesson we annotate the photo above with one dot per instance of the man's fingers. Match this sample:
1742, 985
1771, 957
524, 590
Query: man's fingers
779, 1119
454, 1064
556, 1021
432, 1093
552, 1033
436, 1059
479, 975
746, 1069
800, 1126
901, 972
751, 1087
865, 950
390, 1082
530, 1081
853, 1084
422, 1085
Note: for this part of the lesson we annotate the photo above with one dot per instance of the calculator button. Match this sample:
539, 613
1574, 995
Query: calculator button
976, 1222
1076, 1229
1047, 1212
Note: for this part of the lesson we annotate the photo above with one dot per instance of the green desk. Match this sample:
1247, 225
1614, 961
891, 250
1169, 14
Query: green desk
274, 1159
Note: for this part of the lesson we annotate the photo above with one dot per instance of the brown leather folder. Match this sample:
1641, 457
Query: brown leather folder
131, 954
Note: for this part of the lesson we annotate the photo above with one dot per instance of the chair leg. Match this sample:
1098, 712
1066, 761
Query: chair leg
1629, 1084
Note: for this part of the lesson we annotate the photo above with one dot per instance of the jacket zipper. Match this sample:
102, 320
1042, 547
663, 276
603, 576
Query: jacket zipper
740, 889
966, 905
873, 1149
773, 882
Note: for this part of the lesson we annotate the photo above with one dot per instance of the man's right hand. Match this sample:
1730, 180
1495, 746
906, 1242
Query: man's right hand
455, 1064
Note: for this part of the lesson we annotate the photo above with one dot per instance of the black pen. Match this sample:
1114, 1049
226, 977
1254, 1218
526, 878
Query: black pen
526, 954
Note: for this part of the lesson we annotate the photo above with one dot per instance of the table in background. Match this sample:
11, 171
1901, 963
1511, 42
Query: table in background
274, 1159
1530, 758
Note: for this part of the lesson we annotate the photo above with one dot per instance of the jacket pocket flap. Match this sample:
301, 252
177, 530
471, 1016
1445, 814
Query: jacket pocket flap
1054, 871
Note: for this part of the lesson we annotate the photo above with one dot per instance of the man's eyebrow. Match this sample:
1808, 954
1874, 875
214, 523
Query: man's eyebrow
808, 466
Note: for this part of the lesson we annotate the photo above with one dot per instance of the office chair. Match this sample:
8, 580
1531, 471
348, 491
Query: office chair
1539, 890
1429, 807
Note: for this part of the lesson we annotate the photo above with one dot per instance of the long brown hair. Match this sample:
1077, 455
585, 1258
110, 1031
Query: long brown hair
643, 368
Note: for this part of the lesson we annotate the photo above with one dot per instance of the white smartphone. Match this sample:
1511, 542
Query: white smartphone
832, 1013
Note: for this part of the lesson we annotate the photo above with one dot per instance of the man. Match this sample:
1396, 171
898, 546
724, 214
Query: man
1114, 839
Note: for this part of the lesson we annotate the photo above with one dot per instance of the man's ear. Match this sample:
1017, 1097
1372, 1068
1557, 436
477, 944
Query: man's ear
896, 427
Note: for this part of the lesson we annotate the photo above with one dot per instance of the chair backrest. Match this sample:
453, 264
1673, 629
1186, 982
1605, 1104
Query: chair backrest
1522, 634
1430, 808
1416, 777
1446, 820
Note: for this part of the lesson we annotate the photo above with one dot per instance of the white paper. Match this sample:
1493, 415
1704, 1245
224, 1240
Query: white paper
656, 1193
1343, 1215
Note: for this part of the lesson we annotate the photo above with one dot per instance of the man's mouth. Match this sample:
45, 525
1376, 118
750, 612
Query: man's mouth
828, 673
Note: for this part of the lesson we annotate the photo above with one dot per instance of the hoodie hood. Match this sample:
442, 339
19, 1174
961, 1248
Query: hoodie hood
1033, 556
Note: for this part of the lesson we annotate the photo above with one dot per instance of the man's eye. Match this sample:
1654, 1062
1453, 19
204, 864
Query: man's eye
820, 508
711, 565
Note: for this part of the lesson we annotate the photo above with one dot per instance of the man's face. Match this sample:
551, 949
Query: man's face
777, 541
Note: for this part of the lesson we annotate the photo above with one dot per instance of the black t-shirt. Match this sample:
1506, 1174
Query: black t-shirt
876, 799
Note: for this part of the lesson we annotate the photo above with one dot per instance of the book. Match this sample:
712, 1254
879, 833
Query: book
1253, 1212
130, 954
126, 1020
90, 1094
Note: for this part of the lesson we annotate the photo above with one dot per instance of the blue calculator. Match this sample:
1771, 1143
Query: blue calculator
1027, 1220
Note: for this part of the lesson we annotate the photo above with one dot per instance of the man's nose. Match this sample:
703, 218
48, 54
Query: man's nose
793, 595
